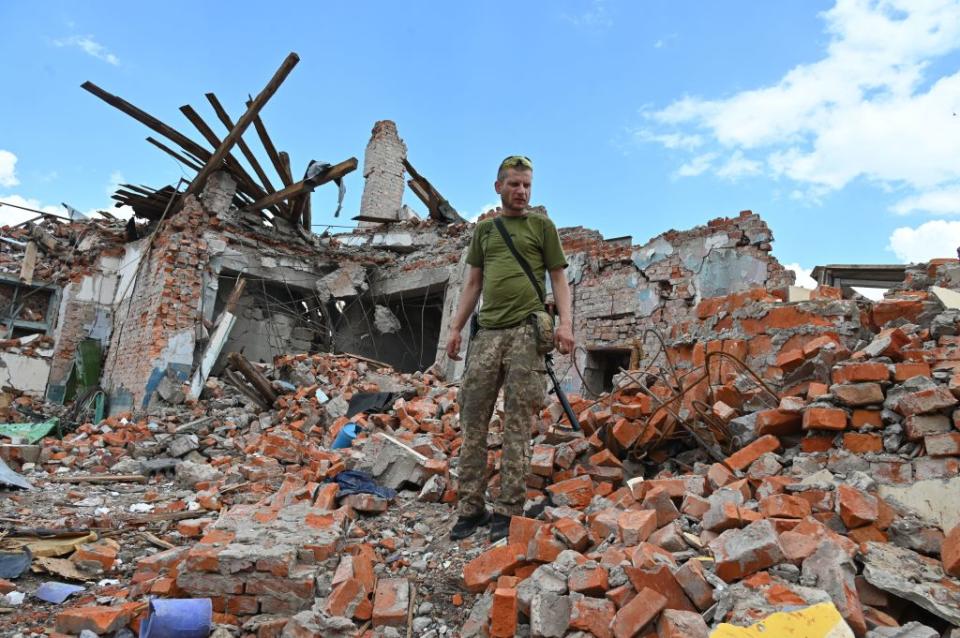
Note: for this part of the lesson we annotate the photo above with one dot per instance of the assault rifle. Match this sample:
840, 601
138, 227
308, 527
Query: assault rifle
557, 390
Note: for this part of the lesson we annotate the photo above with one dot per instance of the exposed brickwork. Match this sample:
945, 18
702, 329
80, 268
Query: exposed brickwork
164, 302
383, 172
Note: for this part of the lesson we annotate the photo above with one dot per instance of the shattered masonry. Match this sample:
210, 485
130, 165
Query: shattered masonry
753, 457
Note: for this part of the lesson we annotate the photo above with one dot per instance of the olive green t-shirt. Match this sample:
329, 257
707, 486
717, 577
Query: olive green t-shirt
508, 295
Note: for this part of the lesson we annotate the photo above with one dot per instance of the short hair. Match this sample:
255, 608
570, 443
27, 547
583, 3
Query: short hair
513, 161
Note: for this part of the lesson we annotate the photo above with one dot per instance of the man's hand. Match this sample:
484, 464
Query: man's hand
453, 345
563, 339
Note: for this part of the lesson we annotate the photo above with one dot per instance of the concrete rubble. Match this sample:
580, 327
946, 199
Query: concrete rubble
750, 458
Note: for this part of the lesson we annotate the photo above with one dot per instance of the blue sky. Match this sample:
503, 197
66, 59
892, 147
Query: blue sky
833, 120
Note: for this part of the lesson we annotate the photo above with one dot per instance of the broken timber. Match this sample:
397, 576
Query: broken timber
334, 172
217, 340
254, 376
213, 163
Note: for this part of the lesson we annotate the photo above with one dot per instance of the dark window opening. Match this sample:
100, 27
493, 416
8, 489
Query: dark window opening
273, 318
602, 366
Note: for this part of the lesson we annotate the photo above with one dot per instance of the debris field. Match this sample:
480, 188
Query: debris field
210, 403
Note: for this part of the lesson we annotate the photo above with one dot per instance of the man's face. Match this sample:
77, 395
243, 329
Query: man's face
514, 188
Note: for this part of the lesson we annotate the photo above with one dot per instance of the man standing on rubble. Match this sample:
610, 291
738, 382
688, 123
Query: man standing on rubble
504, 352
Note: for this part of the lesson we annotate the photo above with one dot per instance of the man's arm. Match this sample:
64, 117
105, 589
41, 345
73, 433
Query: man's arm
468, 301
561, 296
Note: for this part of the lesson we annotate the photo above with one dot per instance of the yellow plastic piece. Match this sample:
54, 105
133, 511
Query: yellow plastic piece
818, 621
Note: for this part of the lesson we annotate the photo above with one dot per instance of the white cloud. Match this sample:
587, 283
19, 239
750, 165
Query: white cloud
8, 166
937, 238
696, 166
865, 109
738, 166
90, 46
10, 216
669, 140
804, 278
595, 16
943, 201
116, 178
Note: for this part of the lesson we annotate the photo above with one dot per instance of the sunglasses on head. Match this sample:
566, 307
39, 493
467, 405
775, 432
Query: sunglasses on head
517, 160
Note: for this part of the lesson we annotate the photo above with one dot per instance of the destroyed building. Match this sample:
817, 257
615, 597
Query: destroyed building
222, 406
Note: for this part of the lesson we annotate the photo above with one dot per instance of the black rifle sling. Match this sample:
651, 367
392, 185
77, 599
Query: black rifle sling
520, 260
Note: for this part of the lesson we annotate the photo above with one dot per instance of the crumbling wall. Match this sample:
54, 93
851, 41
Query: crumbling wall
157, 322
383, 173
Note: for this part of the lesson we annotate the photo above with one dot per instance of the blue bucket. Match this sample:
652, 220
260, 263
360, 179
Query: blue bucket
178, 618
345, 436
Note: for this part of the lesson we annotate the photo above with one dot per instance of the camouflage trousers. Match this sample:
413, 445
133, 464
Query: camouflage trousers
504, 358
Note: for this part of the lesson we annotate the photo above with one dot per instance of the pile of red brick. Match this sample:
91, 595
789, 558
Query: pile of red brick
817, 483
812, 502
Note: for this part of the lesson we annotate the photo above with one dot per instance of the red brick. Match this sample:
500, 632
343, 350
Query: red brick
635, 615
943, 444
503, 613
576, 492
627, 431
346, 598
523, 529
858, 394
541, 461
816, 389
391, 602
813, 443
742, 459
950, 552
862, 443
675, 623
824, 419
694, 583
660, 579
658, 499
866, 418
635, 526
572, 533
856, 508
490, 565
789, 360
908, 370
739, 553
925, 401
860, 372
591, 581
100, 620
592, 615
785, 506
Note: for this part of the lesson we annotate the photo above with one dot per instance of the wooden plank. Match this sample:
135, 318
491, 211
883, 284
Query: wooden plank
334, 172
29, 263
376, 220
175, 155
260, 383
230, 162
287, 174
148, 120
247, 153
218, 339
245, 120
269, 147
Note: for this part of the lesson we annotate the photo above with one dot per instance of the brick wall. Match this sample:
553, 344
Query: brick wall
620, 290
157, 322
383, 171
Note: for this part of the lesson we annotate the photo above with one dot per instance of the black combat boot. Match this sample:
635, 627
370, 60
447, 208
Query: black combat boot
499, 527
467, 525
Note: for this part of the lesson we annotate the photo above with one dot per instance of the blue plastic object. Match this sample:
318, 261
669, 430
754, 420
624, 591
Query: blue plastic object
56, 593
178, 618
346, 435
